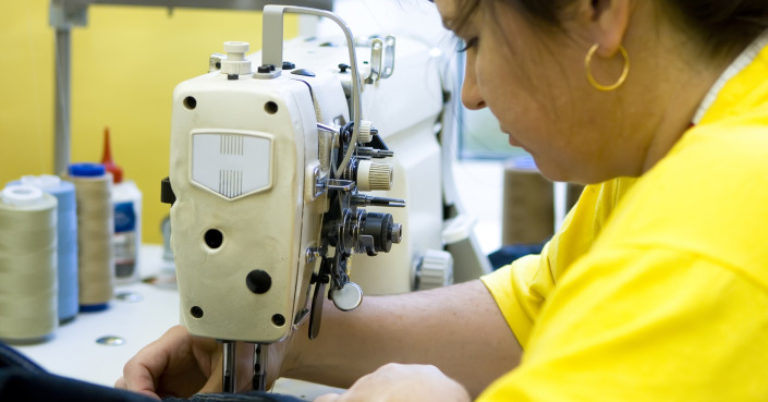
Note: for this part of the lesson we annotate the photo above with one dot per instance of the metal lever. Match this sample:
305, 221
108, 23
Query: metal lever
361, 200
374, 153
320, 280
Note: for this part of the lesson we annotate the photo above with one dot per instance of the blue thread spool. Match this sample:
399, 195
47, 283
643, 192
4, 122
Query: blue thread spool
64, 192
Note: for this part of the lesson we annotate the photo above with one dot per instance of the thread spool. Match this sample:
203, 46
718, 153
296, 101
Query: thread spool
66, 234
93, 191
28, 294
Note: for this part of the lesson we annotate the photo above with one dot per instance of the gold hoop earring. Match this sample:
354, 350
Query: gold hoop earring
591, 78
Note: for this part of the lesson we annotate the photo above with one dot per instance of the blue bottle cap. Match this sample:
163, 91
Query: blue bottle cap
93, 308
86, 170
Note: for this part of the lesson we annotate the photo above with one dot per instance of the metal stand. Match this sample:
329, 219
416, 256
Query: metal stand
62, 99
66, 14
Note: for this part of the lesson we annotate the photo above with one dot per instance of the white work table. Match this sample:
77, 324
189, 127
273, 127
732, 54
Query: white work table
138, 319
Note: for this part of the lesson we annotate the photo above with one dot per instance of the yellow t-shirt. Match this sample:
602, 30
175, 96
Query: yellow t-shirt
655, 288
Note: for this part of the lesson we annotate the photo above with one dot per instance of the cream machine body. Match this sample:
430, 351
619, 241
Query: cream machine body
269, 164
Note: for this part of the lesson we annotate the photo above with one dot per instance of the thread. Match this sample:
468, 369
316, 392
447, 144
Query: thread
66, 235
93, 191
28, 294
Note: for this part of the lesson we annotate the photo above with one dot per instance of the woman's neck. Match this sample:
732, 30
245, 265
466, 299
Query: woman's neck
686, 83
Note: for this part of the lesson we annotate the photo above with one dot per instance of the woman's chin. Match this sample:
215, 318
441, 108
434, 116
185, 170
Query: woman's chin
513, 142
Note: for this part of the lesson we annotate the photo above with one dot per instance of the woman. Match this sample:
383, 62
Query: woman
656, 288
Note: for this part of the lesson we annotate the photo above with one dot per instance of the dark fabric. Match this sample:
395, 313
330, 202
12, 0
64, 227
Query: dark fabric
18, 384
253, 396
507, 254
9, 357
23, 380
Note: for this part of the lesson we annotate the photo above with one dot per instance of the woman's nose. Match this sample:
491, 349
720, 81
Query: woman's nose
470, 95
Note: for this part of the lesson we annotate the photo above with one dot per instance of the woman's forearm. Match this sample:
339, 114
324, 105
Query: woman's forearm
459, 329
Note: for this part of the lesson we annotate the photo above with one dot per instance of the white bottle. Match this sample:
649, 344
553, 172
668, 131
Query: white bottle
126, 199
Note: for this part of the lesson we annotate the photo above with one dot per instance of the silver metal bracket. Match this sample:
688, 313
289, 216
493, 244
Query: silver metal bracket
214, 62
340, 185
323, 183
382, 62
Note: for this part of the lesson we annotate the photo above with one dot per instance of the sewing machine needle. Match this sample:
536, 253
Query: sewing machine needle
260, 367
228, 367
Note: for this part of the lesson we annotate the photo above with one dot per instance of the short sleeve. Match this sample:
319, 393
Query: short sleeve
521, 288
645, 324
517, 293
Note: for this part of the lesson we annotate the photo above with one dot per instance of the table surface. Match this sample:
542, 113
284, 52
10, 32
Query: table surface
139, 314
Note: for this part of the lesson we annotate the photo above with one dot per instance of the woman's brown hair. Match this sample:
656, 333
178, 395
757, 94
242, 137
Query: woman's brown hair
721, 25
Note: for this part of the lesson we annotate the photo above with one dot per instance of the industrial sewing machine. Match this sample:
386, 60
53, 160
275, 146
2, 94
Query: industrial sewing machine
290, 171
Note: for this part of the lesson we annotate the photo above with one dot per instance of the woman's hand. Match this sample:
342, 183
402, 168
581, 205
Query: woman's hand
402, 382
179, 364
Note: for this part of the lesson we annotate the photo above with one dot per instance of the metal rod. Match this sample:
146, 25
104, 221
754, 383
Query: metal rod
327, 128
256, 5
228, 367
272, 53
260, 367
363, 200
62, 100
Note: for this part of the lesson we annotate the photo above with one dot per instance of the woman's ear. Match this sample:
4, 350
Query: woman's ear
606, 22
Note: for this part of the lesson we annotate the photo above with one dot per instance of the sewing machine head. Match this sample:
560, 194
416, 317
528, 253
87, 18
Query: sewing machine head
268, 167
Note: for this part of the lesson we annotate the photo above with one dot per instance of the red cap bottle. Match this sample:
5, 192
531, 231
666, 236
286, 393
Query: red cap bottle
106, 160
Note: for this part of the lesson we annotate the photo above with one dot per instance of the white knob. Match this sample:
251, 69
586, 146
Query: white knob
236, 47
236, 63
365, 136
348, 297
435, 270
373, 176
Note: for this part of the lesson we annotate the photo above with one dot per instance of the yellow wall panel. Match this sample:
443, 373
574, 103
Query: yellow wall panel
125, 64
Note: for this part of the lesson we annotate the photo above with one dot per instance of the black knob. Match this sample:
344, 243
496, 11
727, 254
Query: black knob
258, 281
380, 227
166, 192
344, 67
265, 68
287, 65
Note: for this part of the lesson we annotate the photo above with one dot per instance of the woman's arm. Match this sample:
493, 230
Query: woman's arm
459, 329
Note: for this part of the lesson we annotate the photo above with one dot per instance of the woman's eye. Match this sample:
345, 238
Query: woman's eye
468, 44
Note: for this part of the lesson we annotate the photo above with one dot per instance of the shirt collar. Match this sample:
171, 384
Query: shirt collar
742, 61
